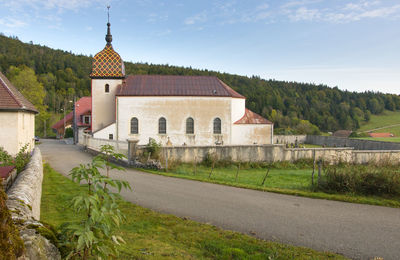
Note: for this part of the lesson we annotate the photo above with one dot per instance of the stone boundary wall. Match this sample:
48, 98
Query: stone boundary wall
23, 201
357, 144
256, 153
266, 153
289, 139
27, 188
96, 143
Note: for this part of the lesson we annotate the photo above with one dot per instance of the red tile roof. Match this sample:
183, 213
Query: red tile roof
252, 118
342, 133
83, 107
5, 171
171, 85
11, 98
381, 135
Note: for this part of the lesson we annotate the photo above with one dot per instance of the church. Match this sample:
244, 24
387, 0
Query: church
173, 110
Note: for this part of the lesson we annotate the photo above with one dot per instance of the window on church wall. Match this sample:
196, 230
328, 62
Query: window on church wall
189, 126
217, 126
134, 125
107, 88
162, 125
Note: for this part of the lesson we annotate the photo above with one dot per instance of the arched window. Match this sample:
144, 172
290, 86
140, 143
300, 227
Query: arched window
134, 125
190, 126
107, 88
162, 125
217, 126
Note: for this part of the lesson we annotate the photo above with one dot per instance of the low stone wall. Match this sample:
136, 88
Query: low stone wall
357, 144
289, 139
256, 153
96, 143
23, 201
267, 153
26, 192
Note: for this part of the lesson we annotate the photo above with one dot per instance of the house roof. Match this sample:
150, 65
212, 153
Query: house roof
83, 107
11, 98
171, 85
252, 118
381, 134
342, 133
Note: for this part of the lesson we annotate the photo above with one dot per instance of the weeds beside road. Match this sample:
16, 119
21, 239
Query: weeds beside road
284, 178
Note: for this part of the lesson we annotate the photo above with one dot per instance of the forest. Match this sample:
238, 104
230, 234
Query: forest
51, 78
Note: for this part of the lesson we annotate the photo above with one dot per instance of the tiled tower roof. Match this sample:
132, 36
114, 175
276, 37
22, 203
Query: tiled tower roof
108, 63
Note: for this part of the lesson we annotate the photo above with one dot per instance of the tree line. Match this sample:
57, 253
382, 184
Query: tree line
293, 107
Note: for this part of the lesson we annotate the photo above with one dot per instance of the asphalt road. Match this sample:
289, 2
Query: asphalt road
354, 230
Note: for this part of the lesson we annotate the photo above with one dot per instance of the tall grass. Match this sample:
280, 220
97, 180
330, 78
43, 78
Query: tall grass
371, 179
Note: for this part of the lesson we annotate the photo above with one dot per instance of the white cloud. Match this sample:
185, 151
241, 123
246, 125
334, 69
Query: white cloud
305, 14
12, 23
311, 10
198, 18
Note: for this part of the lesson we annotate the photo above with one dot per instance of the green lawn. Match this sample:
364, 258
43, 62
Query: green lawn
285, 179
386, 119
151, 235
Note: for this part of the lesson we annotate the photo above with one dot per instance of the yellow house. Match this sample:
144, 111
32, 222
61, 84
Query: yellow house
17, 118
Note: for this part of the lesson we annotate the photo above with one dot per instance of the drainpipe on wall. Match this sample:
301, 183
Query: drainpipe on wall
272, 134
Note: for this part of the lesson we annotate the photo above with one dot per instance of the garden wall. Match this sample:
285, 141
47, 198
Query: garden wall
255, 153
289, 139
258, 153
358, 144
23, 201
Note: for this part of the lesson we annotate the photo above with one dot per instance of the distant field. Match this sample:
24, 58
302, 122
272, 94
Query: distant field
391, 139
386, 119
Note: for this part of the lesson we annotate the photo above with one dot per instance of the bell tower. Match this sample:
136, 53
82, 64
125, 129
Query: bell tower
108, 71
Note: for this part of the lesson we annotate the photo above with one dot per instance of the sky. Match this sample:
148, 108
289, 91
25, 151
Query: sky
351, 44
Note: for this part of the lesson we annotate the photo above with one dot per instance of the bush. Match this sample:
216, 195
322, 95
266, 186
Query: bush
153, 148
20, 160
11, 245
362, 179
69, 132
5, 158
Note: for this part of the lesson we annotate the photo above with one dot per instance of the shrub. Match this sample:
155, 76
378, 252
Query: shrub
11, 245
153, 148
5, 158
362, 179
69, 132
22, 158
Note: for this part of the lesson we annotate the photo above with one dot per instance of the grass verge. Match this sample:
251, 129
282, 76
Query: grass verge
151, 235
285, 181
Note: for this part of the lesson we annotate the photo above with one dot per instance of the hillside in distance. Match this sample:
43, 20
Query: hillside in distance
293, 107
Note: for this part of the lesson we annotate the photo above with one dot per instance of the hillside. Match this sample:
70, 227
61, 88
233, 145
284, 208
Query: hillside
290, 105
388, 122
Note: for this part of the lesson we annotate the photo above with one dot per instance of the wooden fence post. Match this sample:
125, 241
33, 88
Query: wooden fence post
237, 172
265, 177
319, 171
195, 165
313, 170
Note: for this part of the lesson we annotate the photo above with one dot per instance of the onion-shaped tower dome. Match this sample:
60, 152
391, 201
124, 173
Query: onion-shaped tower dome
107, 63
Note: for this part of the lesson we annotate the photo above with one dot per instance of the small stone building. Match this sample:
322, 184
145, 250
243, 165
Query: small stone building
17, 118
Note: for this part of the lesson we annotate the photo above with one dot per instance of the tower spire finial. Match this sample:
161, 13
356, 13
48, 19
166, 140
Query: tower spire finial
108, 36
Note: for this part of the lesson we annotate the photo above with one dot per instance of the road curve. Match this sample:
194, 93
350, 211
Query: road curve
354, 230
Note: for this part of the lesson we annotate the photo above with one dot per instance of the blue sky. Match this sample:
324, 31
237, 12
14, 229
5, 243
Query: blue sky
352, 44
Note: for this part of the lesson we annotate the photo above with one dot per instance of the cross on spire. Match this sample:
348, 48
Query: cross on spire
108, 36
